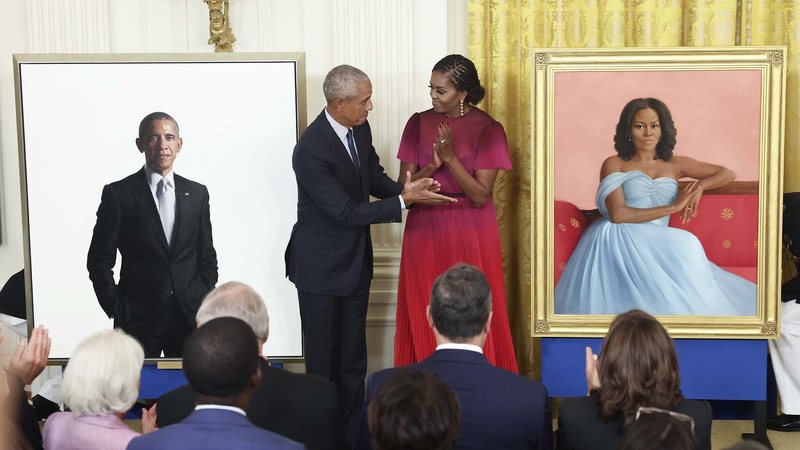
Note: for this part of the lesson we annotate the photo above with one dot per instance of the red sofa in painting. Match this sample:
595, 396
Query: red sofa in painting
726, 225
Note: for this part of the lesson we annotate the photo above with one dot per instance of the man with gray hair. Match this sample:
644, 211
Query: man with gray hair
499, 409
299, 407
329, 256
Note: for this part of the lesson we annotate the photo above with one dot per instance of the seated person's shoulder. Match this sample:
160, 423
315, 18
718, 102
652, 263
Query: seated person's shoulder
698, 409
611, 164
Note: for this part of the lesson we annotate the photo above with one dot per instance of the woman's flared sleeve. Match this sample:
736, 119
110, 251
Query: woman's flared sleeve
409, 148
493, 148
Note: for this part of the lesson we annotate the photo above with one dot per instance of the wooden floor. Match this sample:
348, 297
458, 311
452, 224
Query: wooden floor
725, 433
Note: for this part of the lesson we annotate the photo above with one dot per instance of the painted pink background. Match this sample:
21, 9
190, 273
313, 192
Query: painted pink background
716, 113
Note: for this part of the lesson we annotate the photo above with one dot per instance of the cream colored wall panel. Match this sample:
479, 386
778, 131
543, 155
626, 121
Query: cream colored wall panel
67, 26
14, 38
127, 31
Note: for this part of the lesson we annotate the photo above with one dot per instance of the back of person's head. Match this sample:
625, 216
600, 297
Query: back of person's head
413, 410
461, 301
102, 376
659, 430
220, 358
637, 367
235, 299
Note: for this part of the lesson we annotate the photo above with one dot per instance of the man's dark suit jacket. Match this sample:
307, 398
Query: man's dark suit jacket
580, 426
499, 409
213, 429
299, 407
331, 240
152, 273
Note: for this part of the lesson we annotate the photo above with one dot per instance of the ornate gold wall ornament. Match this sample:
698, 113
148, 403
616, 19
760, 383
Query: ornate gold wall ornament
219, 28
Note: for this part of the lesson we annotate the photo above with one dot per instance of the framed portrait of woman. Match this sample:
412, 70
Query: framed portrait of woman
657, 178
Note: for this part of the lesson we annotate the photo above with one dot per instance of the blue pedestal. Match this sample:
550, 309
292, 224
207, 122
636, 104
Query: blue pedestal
711, 369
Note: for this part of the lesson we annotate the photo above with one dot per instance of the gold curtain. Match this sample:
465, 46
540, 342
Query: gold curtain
501, 34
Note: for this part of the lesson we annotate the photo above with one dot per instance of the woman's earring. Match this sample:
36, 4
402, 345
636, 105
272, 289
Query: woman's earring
461, 105
629, 138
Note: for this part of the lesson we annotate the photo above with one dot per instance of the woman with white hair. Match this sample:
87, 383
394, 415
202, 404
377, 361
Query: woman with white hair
101, 383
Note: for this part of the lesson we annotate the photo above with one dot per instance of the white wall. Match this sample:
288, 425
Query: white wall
395, 42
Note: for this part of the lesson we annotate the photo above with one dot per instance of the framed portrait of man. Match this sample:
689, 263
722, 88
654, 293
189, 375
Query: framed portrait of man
114, 237
657, 179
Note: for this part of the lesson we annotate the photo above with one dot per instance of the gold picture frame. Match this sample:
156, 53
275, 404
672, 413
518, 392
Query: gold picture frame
571, 76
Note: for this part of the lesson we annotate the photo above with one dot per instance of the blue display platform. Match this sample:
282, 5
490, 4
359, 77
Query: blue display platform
711, 369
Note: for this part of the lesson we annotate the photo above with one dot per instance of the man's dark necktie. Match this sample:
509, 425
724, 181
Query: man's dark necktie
352, 146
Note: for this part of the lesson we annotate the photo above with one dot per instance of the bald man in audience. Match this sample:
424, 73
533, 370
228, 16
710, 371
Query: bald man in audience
299, 407
499, 409
221, 364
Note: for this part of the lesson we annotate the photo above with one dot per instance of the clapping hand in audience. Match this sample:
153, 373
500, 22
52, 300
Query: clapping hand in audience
592, 377
149, 419
30, 358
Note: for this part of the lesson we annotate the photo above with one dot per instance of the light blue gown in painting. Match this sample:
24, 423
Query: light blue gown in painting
647, 266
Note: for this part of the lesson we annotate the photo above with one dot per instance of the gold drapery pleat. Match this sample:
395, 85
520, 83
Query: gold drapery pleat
501, 35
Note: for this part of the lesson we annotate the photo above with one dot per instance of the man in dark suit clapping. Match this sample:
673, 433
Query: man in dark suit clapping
161, 224
499, 409
329, 256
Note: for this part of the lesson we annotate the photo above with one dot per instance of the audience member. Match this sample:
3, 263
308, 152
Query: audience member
637, 367
28, 361
101, 383
12, 314
659, 429
413, 410
297, 406
221, 363
499, 409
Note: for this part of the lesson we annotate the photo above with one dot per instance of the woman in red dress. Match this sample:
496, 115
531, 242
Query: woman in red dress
462, 147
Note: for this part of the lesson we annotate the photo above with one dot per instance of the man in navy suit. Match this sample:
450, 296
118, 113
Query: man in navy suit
329, 256
297, 406
220, 360
499, 409
161, 224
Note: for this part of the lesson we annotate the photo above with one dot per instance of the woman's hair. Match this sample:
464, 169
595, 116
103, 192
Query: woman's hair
659, 431
637, 367
622, 139
413, 410
464, 76
102, 376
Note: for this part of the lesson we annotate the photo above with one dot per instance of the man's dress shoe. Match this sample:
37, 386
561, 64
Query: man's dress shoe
784, 422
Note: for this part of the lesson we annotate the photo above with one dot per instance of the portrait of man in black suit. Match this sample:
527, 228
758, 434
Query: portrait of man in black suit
329, 256
160, 222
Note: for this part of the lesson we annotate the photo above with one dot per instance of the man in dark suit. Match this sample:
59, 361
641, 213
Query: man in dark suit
160, 223
329, 256
299, 407
221, 363
499, 409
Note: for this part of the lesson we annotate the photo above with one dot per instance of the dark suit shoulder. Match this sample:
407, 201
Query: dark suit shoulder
132, 179
189, 184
